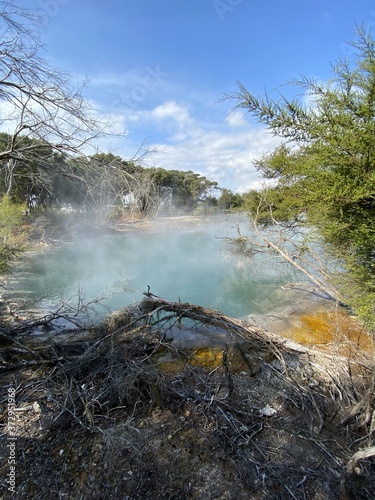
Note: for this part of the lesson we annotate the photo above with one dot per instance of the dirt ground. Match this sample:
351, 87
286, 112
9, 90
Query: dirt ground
123, 412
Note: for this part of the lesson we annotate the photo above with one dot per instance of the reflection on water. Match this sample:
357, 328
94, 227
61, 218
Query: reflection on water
189, 262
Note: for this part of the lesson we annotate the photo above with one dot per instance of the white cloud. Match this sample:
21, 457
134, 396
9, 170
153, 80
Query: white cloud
224, 157
181, 126
236, 119
222, 148
171, 109
8, 121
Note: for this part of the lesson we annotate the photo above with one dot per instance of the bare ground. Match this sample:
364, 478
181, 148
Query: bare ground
122, 412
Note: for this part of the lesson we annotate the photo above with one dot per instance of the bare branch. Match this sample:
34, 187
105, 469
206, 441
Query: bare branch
39, 102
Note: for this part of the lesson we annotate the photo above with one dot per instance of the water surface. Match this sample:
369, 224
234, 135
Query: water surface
189, 262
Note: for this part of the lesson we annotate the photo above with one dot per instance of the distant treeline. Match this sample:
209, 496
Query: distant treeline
36, 172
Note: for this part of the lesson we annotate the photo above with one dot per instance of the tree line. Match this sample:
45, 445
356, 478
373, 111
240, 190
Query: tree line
47, 125
100, 182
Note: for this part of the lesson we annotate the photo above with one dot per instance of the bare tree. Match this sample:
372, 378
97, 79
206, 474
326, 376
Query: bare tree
37, 100
118, 184
288, 243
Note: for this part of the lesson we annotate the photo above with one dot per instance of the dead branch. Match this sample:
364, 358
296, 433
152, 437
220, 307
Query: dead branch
237, 328
20, 346
294, 260
107, 390
359, 455
6, 367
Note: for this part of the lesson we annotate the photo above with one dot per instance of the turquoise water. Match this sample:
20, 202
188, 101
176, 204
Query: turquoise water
189, 262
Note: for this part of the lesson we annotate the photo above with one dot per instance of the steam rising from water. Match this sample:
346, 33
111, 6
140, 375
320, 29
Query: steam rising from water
188, 261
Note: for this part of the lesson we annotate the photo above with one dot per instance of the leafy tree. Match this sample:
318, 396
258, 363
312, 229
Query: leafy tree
229, 200
189, 188
323, 175
34, 174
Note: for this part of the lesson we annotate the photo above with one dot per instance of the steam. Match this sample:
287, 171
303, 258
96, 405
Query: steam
179, 260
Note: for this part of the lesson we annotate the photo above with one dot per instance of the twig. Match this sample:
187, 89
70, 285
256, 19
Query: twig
359, 455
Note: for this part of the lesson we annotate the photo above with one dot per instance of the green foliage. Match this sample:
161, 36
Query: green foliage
189, 187
11, 239
32, 170
95, 182
229, 200
323, 176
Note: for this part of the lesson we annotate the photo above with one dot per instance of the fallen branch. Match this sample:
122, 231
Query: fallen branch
21, 347
6, 367
236, 327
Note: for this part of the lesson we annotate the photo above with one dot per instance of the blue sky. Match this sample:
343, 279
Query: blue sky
158, 68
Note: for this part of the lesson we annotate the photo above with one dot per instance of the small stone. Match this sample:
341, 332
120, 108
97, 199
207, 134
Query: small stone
36, 407
268, 411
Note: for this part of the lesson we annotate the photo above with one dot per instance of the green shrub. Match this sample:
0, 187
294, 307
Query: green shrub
12, 237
